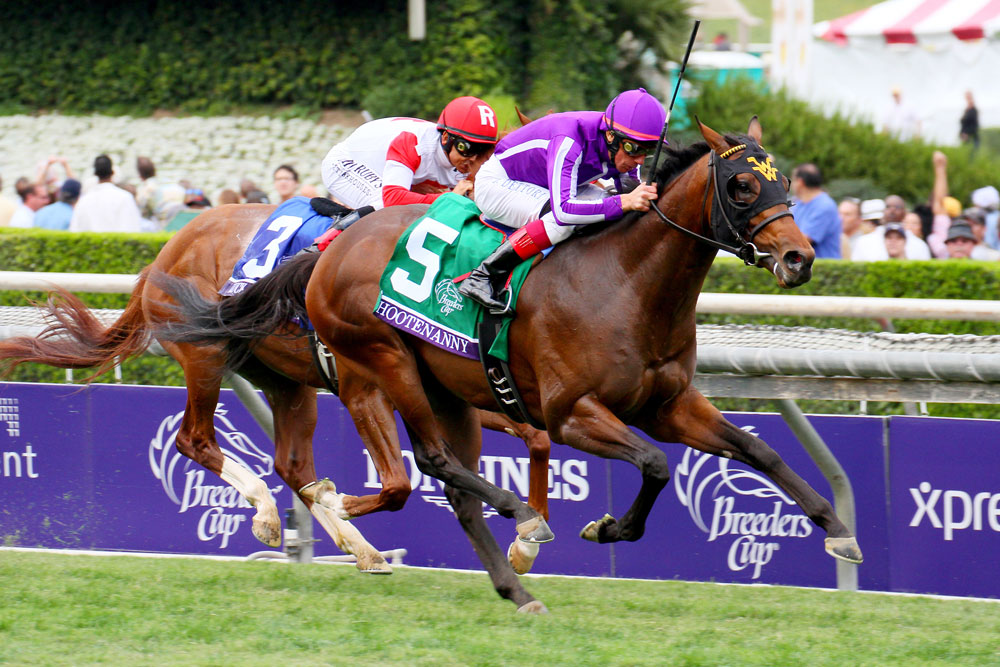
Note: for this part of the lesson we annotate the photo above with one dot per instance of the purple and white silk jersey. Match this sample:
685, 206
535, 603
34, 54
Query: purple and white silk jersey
563, 152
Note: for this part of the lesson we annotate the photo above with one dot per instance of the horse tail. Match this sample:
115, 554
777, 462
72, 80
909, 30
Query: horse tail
239, 322
76, 338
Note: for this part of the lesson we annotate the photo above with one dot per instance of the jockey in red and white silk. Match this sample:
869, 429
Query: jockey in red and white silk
384, 160
540, 181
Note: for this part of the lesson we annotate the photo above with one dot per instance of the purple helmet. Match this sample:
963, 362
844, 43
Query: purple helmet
635, 114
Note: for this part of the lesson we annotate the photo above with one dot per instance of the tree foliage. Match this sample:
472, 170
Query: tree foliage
113, 56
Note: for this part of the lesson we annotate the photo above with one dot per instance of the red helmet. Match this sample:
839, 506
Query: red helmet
470, 118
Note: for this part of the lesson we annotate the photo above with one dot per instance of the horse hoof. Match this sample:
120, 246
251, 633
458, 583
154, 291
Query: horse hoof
521, 555
592, 531
535, 530
533, 607
374, 564
267, 532
844, 548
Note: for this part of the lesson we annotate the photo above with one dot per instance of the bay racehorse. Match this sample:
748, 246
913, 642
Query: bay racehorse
604, 338
203, 253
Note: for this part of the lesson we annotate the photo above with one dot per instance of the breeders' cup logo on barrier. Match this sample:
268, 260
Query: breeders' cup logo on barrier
447, 295
223, 509
713, 493
567, 479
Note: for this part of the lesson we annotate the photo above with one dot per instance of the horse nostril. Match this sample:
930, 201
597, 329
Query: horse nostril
794, 260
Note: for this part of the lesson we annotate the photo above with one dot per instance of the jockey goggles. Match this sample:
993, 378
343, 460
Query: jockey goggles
632, 147
468, 148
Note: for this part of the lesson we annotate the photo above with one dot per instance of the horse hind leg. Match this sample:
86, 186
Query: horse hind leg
347, 538
462, 426
294, 410
469, 511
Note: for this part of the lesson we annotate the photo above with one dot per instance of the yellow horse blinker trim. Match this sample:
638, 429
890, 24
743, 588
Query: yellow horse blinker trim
732, 150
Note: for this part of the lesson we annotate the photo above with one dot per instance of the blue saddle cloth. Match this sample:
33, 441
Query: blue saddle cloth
294, 225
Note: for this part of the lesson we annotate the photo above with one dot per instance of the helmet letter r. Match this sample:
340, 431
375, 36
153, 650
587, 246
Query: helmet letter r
486, 115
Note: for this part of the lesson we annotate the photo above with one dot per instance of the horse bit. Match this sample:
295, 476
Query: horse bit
759, 165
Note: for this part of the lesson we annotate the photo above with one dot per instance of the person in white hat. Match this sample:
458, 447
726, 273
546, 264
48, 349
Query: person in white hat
871, 247
988, 198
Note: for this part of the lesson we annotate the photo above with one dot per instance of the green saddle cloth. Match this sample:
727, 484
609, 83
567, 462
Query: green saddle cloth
418, 290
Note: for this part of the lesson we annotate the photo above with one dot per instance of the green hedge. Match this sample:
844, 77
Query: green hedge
33, 250
38, 250
871, 163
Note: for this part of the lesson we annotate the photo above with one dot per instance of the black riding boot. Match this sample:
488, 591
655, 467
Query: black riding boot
485, 283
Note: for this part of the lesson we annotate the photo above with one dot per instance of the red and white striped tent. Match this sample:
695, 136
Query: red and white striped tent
915, 21
932, 50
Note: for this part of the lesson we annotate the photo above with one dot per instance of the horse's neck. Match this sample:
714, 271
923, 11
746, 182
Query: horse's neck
668, 268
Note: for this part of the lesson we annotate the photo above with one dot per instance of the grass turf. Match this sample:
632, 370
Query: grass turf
70, 609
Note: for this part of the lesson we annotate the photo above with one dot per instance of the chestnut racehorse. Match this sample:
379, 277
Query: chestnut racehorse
204, 253
604, 338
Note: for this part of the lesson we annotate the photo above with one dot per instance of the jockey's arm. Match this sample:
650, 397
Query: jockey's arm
401, 163
564, 158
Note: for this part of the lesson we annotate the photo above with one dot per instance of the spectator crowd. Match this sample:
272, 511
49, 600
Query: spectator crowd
883, 229
107, 201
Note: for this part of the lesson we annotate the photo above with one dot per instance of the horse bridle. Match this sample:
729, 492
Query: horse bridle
772, 193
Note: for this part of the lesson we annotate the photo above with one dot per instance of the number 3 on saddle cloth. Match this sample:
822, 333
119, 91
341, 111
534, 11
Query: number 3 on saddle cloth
293, 226
418, 294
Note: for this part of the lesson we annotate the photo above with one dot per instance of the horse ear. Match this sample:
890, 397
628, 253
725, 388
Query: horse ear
521, 117
714, 139
754, 130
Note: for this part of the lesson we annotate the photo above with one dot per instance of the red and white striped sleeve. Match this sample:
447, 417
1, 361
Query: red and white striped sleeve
402, 162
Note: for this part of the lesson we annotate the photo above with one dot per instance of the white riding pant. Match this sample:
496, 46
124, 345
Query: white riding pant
516, 203
348, 181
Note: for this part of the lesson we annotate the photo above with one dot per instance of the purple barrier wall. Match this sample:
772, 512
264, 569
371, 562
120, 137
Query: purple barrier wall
96, 468
945, 506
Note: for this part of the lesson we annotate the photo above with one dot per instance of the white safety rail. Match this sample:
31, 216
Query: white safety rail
708, 302
75, 282
848, 306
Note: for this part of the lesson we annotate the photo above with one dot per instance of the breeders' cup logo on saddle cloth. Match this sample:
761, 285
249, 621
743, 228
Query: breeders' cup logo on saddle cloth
447, 295
712, 491
195, 489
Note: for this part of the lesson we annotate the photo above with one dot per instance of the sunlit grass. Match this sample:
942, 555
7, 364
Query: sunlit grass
62, 609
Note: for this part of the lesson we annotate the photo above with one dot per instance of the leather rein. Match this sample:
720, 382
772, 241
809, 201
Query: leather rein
746, 250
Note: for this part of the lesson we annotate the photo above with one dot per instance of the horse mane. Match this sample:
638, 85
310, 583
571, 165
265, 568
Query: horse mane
675, 160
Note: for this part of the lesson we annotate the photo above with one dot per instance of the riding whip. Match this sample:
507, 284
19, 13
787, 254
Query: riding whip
677, 87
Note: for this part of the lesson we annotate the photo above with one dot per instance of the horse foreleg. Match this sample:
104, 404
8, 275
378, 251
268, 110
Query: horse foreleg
196, 438
692, 420
592, 428
294, 408
539, 446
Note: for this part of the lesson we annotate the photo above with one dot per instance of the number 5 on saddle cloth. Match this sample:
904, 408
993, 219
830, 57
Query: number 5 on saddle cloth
293, 226
418, 293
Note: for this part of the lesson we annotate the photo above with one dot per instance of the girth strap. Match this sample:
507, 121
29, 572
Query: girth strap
325, 363
498, 375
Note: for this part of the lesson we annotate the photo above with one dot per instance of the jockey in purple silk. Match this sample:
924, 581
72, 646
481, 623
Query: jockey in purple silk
539, 181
